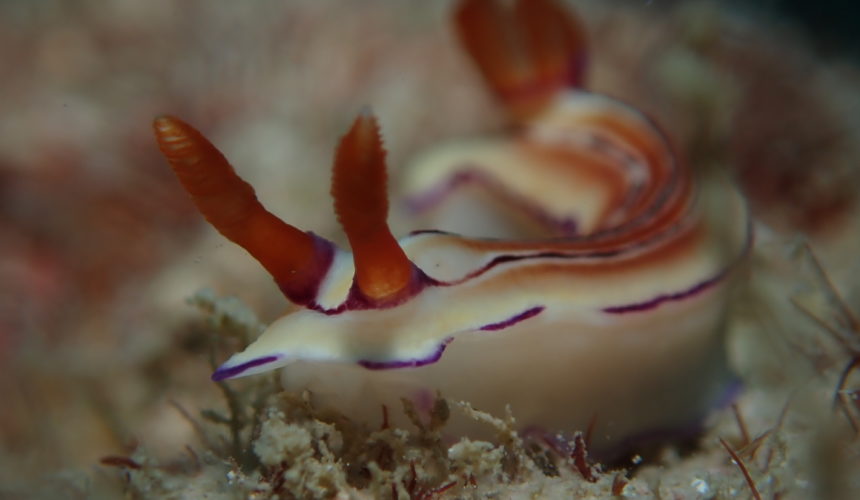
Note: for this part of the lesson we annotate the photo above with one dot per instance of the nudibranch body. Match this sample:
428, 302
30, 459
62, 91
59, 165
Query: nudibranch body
616, 314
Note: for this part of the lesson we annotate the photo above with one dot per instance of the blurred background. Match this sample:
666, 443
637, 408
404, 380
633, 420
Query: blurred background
100, 248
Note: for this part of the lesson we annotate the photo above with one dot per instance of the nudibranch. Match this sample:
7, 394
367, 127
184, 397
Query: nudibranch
605, 299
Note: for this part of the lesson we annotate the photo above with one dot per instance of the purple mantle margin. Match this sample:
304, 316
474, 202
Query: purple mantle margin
669, 297
408, 363
694, 290
234, 371
501, 325
437, 354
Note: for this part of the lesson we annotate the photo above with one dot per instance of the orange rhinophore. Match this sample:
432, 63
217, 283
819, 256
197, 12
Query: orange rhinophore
291, 256
361, 203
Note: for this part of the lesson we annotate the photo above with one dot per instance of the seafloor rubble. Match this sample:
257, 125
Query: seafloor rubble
105, 366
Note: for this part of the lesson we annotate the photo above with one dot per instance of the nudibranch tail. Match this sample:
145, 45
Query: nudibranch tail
294, 258
527, 53
358, 187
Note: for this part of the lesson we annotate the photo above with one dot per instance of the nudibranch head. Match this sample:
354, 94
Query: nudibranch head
617, 312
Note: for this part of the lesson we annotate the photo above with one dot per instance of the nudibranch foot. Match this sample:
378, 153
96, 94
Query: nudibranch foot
619, 311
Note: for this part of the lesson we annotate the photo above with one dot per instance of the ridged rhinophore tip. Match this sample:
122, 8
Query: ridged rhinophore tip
166, 125
174, 139
361, 202
162, 121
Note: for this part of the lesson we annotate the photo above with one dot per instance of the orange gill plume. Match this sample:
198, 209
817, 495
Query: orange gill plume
526, 53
